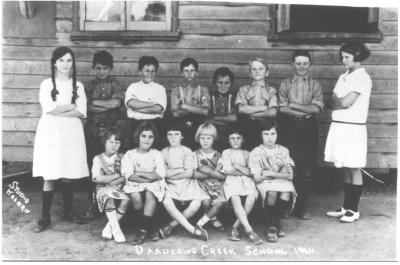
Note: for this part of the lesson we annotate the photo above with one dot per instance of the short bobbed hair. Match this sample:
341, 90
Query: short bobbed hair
357, 49
109, 133
145, 126
207, 129
178, 127
266, 125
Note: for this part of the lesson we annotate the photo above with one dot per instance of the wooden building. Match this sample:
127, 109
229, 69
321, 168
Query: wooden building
214, 33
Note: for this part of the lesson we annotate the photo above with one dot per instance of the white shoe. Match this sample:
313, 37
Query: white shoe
338, 213
118, 236
107, 234
350, 217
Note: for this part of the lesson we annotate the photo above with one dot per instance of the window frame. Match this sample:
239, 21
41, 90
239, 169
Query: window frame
280, 29
123, 35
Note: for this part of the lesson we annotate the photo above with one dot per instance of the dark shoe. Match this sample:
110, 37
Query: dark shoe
154, 236
42, 225
234, 236
272, 234
203, 233
304, 215
254, 238
165, 231
140, 238
91, 213
286, 213
75, 218
281, 232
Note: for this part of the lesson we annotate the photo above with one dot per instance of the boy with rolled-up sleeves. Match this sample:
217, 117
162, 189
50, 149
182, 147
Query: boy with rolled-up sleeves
300, 100
255, 102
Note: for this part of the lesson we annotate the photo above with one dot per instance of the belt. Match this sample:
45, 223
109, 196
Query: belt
300, 118
355, 123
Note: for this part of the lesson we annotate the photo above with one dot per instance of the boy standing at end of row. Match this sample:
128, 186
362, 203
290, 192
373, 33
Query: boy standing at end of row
300, 99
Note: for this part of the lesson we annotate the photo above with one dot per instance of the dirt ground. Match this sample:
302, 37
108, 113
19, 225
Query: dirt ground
372, 238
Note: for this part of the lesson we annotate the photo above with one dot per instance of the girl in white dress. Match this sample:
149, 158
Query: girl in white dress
181, 186
59, 150
106, 173
239, 183
272, 169
144, 170
346, 144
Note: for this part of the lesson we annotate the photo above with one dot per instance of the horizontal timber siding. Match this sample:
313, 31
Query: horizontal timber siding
216, 34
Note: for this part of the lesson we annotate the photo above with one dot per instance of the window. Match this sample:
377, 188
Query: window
325, 23
125, 20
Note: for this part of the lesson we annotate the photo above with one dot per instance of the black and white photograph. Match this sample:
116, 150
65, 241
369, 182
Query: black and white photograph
200, 131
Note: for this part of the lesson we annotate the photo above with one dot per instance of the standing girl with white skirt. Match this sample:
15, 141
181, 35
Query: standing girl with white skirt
346, 144
59, 150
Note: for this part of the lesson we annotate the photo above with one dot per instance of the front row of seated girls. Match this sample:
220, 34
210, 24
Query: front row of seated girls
202, 179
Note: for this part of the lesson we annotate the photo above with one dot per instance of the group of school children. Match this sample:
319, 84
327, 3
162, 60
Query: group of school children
177, 160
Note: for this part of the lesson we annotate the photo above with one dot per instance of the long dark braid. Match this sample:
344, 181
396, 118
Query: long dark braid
58, 53
74, 86
54, 91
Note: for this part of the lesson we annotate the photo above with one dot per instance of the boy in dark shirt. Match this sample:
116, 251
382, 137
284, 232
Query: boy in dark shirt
104, 110
223, 109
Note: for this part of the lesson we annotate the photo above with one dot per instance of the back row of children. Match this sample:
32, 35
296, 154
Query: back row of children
300, 97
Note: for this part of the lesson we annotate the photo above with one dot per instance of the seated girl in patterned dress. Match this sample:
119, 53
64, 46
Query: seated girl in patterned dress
181, 186
208, 169
106, 172
144, 170
272, 169
239, 184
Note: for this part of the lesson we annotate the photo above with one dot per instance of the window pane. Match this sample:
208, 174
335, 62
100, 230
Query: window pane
103, 11
305, 18
147, 11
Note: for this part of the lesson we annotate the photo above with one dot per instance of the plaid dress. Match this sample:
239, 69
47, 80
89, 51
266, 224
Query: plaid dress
103, 165
213, 187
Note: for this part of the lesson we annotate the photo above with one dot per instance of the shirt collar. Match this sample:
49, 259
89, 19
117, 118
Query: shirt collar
143, 83
295, 78
192, 83
259, 83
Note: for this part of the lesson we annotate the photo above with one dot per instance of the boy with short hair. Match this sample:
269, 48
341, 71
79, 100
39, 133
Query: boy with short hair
300, 99
146, 100
255, 102
223, 109
190, 102
104, 110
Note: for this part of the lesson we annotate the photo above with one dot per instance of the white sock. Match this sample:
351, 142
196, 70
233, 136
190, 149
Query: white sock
113, 220
203, 220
